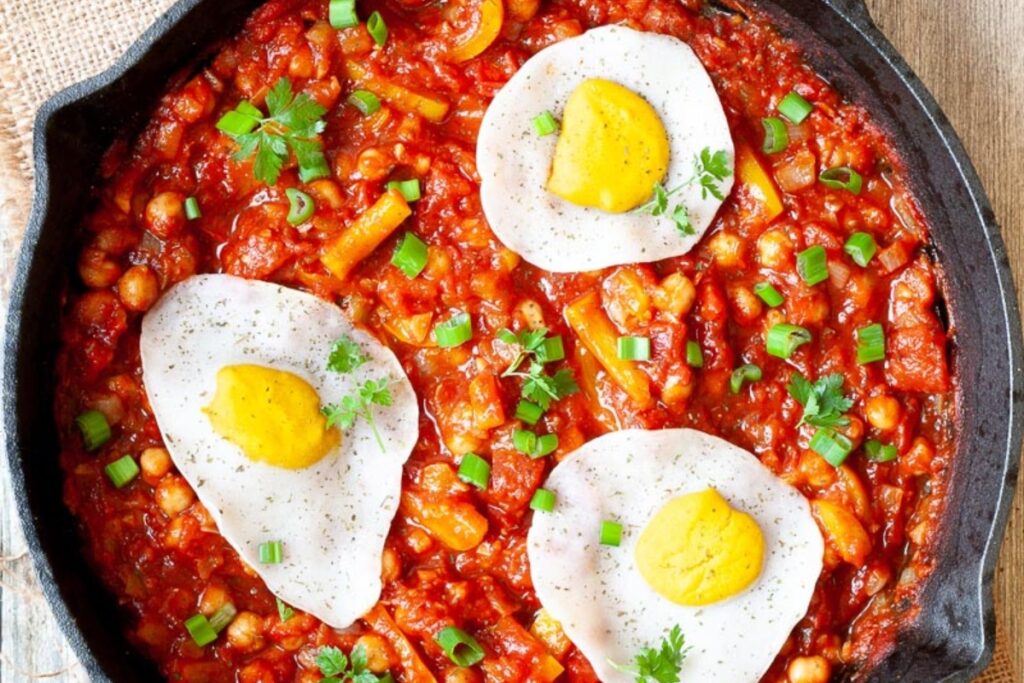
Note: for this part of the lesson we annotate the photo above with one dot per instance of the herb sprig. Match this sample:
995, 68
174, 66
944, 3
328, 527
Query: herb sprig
346, 356
661, 664
709, 170
336, 667
535, 343
823, 400
291, 127
284, 612
543, 389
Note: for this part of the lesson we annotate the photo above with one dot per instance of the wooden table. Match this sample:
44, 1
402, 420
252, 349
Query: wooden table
970, 55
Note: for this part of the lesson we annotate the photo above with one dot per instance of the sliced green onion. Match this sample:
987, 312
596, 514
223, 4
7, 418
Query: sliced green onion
410, 255
271, 552
122, 471
455, 331
611, 533
313, 169
192, 211
783, 339
460, 647
342, 14
409, 189
199, 628
543, 500
694, 355
524, 441
475, 470
743, 374
861, 247
842, 178
546, 445
776, 135
94, 428
300, 206
545, 124
634, 348
222, 617
795, 108
550, 350
240, 120
880, 452
365, 101
831, 445
377, 28
529, 412
768, 294
870, 344
812, 264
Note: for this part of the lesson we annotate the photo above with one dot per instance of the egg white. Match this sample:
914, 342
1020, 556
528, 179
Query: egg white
597, 593
514, 162
331, 517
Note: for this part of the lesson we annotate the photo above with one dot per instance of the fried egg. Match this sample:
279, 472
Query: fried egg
636, 110
236, 372
711, 541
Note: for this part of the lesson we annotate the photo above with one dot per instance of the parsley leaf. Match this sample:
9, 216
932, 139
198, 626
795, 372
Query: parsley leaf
284, 612
542, 389
292, 125
346, 356
331, 661
681, 217
345, 412
337, 668
528, 341
710, 169
661, 664
823, 401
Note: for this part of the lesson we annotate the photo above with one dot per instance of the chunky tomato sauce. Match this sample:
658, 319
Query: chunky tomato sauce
155, 545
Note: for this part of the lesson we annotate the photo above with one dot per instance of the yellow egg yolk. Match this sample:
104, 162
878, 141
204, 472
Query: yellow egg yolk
697, 550
612, 149
272, 415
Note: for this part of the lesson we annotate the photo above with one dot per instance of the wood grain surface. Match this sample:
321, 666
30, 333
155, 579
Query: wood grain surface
969, 54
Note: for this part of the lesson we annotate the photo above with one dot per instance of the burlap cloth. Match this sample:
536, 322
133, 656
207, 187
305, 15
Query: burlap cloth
47, 45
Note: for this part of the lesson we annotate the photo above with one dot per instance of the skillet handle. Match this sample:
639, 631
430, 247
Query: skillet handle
856, 11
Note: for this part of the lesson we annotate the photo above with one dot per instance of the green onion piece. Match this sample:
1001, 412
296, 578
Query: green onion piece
611, 533
314, 169
192, 211
783, 339
529, 412
342, 14
524, 441
634, 348
365, 101
545, 124
410, 255
768, 294
831, 445
550, 350
543, 500
842, 178
694, 355
94, 428
237, 122
410, 189
475, 470
743, 374
870, 344
377, 28
776, 135
122, 471
460, 647
812, 264
880, 452
222, 617
455, 331
271, 552
300, 206
198, 626
861, 247
795, 108
546, 445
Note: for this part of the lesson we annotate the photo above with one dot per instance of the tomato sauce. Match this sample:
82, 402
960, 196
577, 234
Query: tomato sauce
155, 546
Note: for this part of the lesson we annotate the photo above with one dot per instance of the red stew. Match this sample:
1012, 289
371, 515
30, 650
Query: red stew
154, 544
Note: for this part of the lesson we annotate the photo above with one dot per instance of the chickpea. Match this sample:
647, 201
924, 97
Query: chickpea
96, 269
213, 598
391, 566
165, 214
774, 249
727, 249
154, 463
378, 654
173, 495
419, 541
373, 164
883, 412
460, 675
246, 631
138, 288
746, 305
530, 312
809, 670
675, 295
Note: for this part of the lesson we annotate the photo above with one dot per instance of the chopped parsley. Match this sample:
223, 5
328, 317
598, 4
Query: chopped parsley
661, 664
709, 171
535, 343
823, 401
337, 668
346, 356
542, 388
539, 387
345, 412
292, 127
284, 612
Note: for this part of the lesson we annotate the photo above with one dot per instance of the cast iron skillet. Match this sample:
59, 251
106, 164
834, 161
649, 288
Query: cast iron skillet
951, 639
